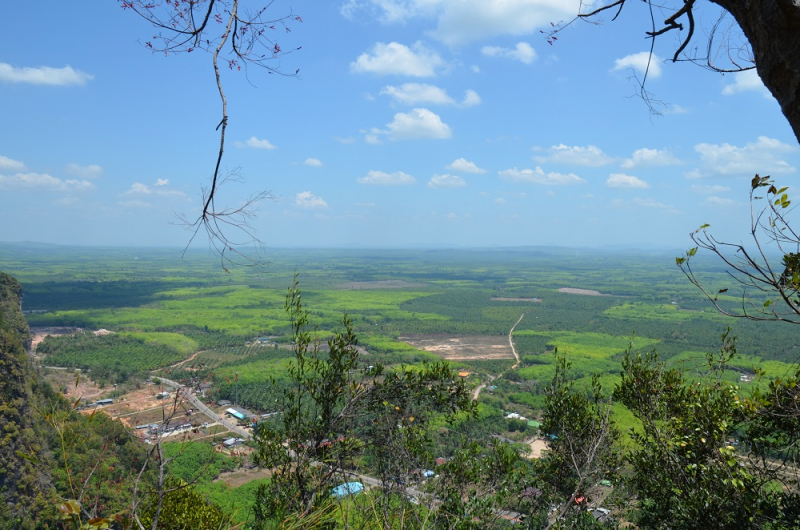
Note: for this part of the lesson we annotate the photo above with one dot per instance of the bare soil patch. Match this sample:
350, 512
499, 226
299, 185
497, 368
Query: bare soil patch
585, 292
462, 348
505, 299
537, 448
379, 284
64, 380
40, 333
242, 476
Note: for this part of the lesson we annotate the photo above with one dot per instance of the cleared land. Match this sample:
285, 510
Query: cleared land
379, 284
585, 292
506, 299
462, 348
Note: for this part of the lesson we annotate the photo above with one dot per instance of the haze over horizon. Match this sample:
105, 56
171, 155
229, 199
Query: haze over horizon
412, 125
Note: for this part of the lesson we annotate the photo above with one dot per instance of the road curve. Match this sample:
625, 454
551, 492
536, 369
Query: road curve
199, 405
477, 392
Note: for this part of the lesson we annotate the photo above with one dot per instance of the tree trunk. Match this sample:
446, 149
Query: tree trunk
773, 29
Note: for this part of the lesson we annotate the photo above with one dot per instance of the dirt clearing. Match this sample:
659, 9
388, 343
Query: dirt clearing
584, 292
537, 448
504, 299
379, 284
462, 348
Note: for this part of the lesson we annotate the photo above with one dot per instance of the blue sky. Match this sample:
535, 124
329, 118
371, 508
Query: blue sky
413, 123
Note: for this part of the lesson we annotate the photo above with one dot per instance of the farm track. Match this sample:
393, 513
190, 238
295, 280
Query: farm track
477, 392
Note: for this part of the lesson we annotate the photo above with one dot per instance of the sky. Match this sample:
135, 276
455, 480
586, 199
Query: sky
411, 123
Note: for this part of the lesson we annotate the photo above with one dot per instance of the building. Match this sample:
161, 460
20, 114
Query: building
235, 413
348, 488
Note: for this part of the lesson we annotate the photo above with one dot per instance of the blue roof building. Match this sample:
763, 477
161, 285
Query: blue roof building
348, 488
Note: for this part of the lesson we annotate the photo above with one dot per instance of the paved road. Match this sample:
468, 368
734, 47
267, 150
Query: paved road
187, 393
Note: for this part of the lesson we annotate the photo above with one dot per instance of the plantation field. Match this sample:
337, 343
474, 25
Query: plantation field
407, 307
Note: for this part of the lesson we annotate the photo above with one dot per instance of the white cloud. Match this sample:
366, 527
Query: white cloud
537, 176
255, 143
464, 166
8, 164
499, 200
471, 98
522, 52
41, 182
416, 93
379, 178
397, 59
622, 181
306, 199
472, 20
655, 205
747, 81
697, 188
590, 155
91, 171
446, 181
650, 157
419, 123
639, 62
44, 75
313, 162
718, 201
373, 137
763, 157
138, 188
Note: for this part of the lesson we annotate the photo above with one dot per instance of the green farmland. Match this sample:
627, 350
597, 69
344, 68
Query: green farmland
163, 310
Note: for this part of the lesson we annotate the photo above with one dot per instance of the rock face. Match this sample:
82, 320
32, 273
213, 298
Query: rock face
24, 487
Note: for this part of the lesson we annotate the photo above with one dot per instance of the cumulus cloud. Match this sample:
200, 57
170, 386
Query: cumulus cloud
255, 143
398, 59
43, 75
379, 178
306, 199
763, 156
466, 21
313, 162
42, 182
747, 81
650, 157
589, 156
158, 190
137, 188
472, 20
623, 181
9, 164
471, 98
463, 165
418, 123
91, 171
538, 176
446, 181
639, 63
522, 52
418, 93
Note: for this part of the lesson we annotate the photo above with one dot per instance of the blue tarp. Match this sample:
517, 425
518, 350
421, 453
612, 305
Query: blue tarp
348, 488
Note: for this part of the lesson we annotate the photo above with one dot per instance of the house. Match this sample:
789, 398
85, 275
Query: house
516, 416
224, 403
348, 488
232, 442
102, 402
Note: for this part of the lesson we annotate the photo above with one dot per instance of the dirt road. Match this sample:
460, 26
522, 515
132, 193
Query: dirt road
477, 392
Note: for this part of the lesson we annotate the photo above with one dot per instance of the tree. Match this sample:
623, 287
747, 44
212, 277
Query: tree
237, 36
337, 414
767, 39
